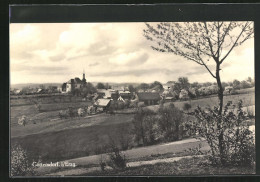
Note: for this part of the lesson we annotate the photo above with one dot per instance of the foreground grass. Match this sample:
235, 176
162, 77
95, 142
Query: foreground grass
70, 143
189, 166
48, 111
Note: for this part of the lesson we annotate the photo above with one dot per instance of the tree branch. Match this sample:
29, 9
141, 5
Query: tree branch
210, 44
234, 43
203, 63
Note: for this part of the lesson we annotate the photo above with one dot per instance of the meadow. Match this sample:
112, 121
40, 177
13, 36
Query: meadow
71, 143
248, 99
53, 139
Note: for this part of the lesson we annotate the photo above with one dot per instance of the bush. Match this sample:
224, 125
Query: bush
186, 107
102, 163
22, 120
63, 114
20, 165
117, 159
72, 112
121, 105
140, 104
170, 122
237, 146
144, 124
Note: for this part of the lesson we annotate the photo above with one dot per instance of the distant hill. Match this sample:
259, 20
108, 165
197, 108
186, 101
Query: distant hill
33, 85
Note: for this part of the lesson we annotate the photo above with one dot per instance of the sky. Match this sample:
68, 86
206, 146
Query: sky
107, 52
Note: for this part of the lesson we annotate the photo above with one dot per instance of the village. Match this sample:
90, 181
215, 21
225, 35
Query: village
108, 98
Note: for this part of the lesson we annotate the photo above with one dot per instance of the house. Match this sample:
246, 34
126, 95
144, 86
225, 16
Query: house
102, 104
115, 95
120, 98
169, 99
125, 94
184, 95
228, 88
156, 88
95, 97
149, 98
17, 91
73, 84
106, 93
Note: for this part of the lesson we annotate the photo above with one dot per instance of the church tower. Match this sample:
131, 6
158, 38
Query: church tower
84, 79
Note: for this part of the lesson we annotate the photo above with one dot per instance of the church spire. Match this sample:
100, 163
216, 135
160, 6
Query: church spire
84, 79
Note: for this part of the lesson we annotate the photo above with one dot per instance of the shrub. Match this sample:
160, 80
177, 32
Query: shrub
144, 129
81, 112
117, 159
237, 146
186, 106
63, 114
20, 165
124, 137
133, 104
72, 112
22, 120
140, 104
102, 163
127, 103
121, 105
170, 121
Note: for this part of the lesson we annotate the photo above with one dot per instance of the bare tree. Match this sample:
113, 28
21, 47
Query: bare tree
202, 43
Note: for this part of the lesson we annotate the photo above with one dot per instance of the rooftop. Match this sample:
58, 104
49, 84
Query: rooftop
148, 96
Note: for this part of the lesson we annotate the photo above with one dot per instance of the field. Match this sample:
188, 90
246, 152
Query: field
47, 113
21, 100
195, 166
248, 100
70, 143
54, 139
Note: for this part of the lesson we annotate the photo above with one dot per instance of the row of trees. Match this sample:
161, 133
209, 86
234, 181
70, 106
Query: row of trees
84, 91
191, 90
131, 88
151, 127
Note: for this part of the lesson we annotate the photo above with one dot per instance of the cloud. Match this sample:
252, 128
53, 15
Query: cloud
102, 48
76, 57
138, 72
111, 52
131, 58
57, 58
93, 64
39, 69
199, 70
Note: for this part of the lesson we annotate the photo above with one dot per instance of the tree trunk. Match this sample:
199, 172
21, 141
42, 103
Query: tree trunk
220, 100
142, 132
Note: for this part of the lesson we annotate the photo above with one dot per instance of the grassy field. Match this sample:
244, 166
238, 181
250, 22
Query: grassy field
44, 99
66, 124
190, 166
71, 143
248, 100
48, 111
54, 139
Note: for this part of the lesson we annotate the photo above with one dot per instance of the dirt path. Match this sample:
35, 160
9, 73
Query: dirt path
83, 171
173, 147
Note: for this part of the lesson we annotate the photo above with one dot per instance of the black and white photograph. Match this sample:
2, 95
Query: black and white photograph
132, 99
